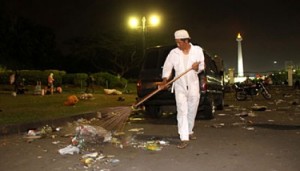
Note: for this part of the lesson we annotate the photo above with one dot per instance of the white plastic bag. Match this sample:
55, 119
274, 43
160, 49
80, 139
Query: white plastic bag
70, 149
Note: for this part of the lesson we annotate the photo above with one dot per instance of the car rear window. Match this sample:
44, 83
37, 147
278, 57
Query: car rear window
210, 66
156, 57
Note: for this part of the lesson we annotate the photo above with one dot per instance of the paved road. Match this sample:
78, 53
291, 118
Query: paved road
263, 141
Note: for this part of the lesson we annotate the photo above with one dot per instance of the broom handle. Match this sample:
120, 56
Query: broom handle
159, 88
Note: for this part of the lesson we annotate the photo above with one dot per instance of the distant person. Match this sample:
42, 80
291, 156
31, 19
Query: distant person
250, 85
14, 80
248, 81
59, 89
187, 89
268, 80
90, 83
50, 83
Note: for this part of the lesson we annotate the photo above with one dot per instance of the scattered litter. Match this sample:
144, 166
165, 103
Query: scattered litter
118, 133
219, 125
222, 114
113, 161
55, 142
250, 128
238, 123
243, 114
107, 137
242, 119
251, 114
90, 155
287, 95
46, 130
163, 142
112, 92
33, 134
70, 149
136, 119
270, 120
152, 146
278, 101
136, 129
71, 100
87, 161
100, 156
86, 96
92, 134
259, 108
58, 129
99, 115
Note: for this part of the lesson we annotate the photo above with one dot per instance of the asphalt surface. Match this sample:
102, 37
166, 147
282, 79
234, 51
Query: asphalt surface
237, 139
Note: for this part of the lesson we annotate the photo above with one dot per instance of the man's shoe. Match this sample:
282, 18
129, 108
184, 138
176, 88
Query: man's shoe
182, 144
192, 137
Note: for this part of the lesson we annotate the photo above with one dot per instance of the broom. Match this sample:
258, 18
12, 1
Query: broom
116, 120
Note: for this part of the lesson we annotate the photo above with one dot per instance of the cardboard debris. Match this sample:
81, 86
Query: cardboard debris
112, 92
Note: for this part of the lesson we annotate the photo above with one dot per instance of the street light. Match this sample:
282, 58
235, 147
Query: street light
134, 23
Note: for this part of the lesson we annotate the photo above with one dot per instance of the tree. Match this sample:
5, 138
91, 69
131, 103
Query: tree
114, 52
25, 45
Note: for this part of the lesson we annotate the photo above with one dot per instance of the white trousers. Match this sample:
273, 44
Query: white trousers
187, 107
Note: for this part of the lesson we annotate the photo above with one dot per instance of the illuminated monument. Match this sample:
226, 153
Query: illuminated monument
240, 56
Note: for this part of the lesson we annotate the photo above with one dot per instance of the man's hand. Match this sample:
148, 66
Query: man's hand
163, 85
195, 66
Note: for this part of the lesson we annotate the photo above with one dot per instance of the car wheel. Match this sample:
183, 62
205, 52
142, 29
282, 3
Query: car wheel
220, 102
208, 112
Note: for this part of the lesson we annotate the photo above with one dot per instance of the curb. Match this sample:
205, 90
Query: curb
21, 128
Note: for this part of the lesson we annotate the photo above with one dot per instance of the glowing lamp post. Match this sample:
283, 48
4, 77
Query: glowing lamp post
135, 23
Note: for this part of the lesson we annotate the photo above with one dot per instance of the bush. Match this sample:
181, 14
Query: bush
30, 77
108, 80
77, 79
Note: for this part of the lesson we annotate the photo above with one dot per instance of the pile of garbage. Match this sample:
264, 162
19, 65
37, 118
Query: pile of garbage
84, 137
86, 134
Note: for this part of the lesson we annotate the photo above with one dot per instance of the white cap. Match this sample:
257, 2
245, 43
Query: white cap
181, 34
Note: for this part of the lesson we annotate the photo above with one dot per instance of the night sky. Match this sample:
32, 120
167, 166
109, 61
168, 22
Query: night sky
270, 28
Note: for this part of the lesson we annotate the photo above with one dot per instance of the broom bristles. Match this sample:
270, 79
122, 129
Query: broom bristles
116, 118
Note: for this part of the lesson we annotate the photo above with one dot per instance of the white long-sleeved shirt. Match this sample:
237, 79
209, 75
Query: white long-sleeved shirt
175, 60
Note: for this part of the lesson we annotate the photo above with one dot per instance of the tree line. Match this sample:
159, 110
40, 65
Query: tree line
25, 45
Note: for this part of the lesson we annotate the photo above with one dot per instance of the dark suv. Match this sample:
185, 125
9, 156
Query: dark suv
211, 85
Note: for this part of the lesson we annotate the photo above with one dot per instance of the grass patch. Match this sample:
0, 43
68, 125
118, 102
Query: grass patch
33, 108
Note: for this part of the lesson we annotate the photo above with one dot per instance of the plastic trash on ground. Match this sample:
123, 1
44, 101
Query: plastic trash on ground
86, 96
92, 134
70, 149
153, 146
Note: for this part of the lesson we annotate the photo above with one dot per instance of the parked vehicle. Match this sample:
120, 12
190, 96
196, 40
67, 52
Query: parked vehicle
211, 85
242, 91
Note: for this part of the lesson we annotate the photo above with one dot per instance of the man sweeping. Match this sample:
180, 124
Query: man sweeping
187, 90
